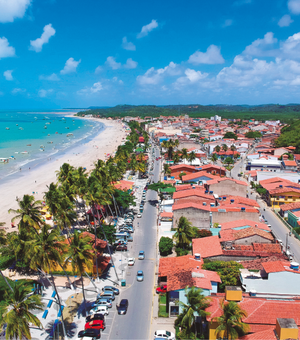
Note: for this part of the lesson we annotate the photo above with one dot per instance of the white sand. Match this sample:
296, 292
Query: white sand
36, 180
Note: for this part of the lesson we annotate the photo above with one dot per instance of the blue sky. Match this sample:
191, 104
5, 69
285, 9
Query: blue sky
56, 54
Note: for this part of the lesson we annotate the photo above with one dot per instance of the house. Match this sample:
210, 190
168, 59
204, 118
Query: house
262, 315
264, 164
290, 165
294, 218
277, 278
200, 176
223, 186
181, 272
284, 208
243, 224
179, 168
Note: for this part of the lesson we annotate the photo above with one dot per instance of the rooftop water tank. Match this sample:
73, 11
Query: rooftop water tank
231, 201
197, 257
224, 197
211, 192
243, 209
204, 203
294, 265
212, 204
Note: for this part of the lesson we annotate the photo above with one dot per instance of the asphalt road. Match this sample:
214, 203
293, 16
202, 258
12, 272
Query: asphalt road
279, 229
136, 323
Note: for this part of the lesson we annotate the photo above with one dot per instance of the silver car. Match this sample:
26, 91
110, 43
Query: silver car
140, 276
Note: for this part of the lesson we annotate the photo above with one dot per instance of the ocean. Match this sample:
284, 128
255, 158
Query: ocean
28, 138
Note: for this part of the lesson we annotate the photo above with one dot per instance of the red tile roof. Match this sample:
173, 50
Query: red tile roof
257, 263
266, 334
278, 266
207, 246
195, 175
290, 206
179, 166
167, 264
166, 214
242, 223
248, 232
191, 192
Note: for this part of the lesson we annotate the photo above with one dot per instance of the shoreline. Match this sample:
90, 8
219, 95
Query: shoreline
35, 181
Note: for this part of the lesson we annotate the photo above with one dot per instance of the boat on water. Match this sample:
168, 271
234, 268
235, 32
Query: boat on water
35, 118
45, 127
67, 127
17, 124
28, 145
48, 134
20, 128
70, 134
50, 142
24, 152
4, 160
7, 128
41, 149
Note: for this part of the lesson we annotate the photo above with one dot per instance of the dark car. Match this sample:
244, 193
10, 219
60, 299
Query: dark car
121, 248
90, 333
161, 289
123, 306
94, 317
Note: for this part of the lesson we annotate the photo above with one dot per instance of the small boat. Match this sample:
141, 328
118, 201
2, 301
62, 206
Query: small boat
56, 132
28, 145
48, 134
7, 128
17, 124
4, 160
69, 134
42, 149
35, 118
24, 152
42, 146
20, 128
67, 127
45, 127
50, 142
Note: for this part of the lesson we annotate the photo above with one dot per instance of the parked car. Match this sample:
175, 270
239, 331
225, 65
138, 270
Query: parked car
108, 294
140, 276
99, 310
141, 255
103, 302
89, 333
120, 243
95, 324
164, 335
121, 247
131, 261
94, 317
161, 289
123, 306
111, 288
139, 215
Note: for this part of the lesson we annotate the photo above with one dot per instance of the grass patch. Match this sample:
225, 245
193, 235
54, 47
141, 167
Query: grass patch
163, 299
162, 312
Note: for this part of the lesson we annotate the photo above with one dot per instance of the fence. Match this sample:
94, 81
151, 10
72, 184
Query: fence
291, 229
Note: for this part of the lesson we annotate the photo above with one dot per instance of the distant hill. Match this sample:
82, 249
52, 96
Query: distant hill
283, 113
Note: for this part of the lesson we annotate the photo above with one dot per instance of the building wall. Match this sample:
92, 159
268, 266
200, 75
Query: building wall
284, 198
228, 187
293, 220
222, 217
252, 239
183, 298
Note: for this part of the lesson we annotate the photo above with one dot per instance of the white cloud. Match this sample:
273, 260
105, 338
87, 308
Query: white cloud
285, 21
191, 76
52, 77
98, 69
70, 66
8, 75
37, 45
227, 23
147, 29
5, 49
96, 87
44, 93
128, 45
12, 9
294, 6
211, 56
153, 77
17, 90
111, 62
261, 47
130, 63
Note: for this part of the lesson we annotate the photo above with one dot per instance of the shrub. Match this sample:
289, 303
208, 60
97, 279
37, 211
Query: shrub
165, 246
181, 252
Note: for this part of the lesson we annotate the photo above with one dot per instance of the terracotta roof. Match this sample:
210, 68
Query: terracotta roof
266, 334
290, 206
297, 157
248, 232
191, 192
242, 223
284, 190
257, 263
278, 266
180, 279
207, 246
166, 214
243, 200
123, 185
167, 264
267, 247
290, 163
187, 187
196, 175
99, 243
179, 166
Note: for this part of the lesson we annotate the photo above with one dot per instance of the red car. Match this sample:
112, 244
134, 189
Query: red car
161, 289
95, 324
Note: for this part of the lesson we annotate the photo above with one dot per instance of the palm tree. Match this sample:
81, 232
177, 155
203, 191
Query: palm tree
231, 321
81, 255
170, 145
167, 169
196, 305
214, 157
176, 157
224, 147
217, 148
191, 156
16, 311
184, 153
232, 147
28, 213
184, 232
181, 175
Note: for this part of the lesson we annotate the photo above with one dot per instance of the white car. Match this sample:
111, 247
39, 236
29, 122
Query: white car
131, 261
163, 334
99, 310
139, 215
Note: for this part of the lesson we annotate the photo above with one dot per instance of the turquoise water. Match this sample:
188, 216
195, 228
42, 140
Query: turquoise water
27, 138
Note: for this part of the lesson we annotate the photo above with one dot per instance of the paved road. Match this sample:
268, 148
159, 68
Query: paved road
136, 323
279, 229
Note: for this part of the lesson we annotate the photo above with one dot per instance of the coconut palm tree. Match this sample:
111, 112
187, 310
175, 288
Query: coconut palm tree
232, 147
167, 169
224, 147
81, 256
217, 148
64, 174
191, 156
16, 311
231, 321
214, 157
195, 306
28, 213
170, 145
184, 232
184, 153
176, 157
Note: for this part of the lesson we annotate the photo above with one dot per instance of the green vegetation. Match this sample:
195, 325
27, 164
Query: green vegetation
184, 233
199, 233
195, 306
230, 135
231, 321
228, 271
159, 185
253, 134
165, 246
162, 307
290, 136
284, 113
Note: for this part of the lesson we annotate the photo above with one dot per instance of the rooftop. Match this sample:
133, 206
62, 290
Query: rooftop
207, 246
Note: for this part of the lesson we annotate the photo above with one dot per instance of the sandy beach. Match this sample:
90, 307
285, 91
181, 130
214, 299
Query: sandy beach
36, 180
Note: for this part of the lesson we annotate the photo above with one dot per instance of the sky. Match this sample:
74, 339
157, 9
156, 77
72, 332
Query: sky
76, 54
